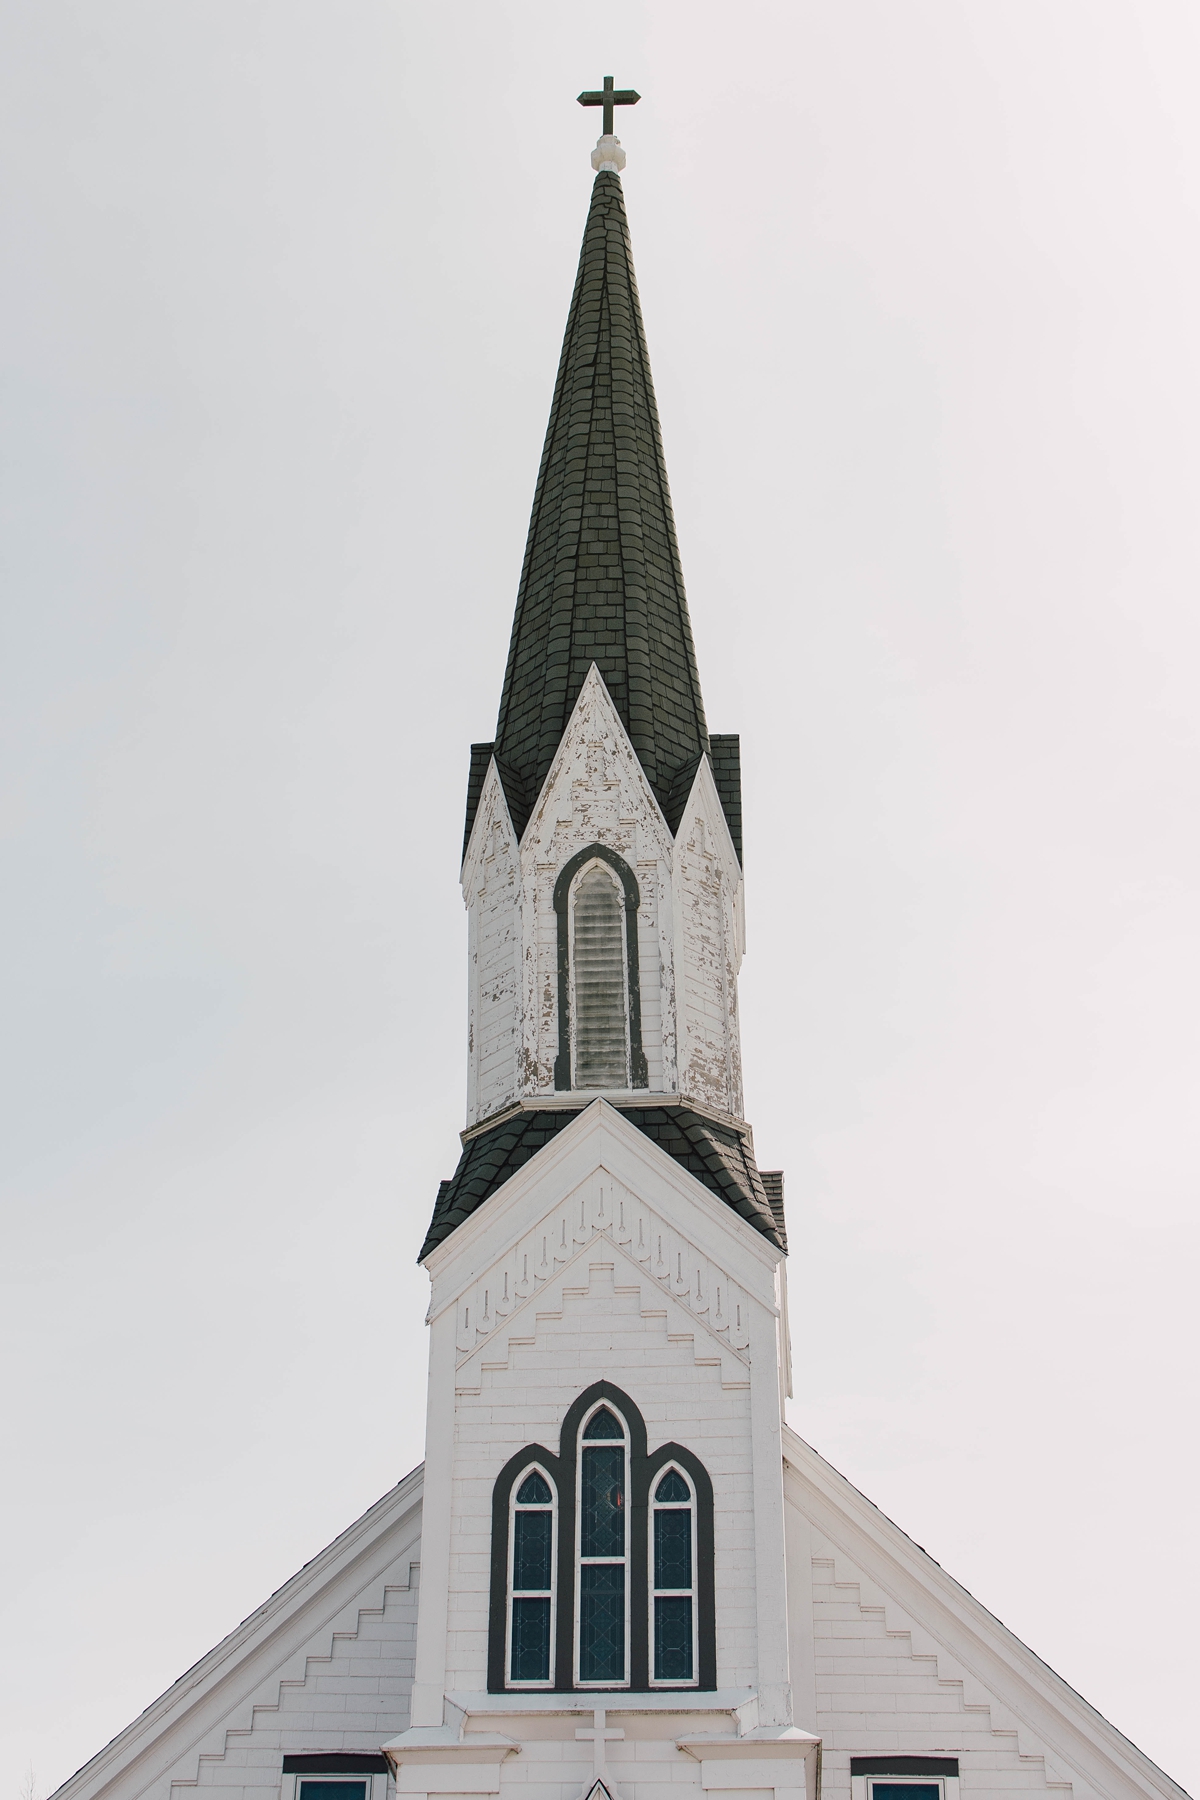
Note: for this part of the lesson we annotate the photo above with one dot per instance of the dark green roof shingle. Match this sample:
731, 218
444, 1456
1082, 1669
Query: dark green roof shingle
718, 1155
601, 580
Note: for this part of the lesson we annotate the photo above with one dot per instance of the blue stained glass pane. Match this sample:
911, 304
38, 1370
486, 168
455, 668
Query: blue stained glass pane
603, 1424
530, 1641
603, 1502
533, 1491
905, 1790
602, 1622
531, 1551
672, 1487
673, 1549
673, 1640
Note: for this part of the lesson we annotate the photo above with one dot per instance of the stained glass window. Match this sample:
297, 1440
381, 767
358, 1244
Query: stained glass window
602, 1549
532, 1580
672, 1487
673, 1638
674, 1580
604, 1424
531, 1551
602, 1622
603, 1501
673, 1547
587, 1604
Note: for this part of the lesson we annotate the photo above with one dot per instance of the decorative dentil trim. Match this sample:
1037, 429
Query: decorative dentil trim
602, 1209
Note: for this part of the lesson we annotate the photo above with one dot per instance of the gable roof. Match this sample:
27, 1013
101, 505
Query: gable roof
267, 1651
1047, 1706
601, 580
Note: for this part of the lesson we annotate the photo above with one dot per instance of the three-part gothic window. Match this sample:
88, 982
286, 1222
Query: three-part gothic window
602, 1571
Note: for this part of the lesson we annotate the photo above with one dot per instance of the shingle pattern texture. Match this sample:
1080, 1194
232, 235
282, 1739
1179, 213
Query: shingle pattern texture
481, 756
772, 1180
726, 756
715, 1154
601, 580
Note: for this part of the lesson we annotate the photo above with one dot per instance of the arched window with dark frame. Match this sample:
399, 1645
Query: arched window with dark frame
673, 1617
596, 902
602, 1564
599, 989
628, 1601
531, 1582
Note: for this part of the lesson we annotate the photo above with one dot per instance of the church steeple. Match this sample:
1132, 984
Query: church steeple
602, 859
601, 581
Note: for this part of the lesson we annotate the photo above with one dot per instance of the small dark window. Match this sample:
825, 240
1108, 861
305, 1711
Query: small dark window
333, 1790
906, 1790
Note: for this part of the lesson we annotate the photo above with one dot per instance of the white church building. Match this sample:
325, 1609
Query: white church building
617, 1564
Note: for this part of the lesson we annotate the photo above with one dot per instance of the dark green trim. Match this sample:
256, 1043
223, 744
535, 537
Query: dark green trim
633, 900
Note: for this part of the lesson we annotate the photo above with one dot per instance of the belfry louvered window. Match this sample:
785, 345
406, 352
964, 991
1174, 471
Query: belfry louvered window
531, 1583
600, 1012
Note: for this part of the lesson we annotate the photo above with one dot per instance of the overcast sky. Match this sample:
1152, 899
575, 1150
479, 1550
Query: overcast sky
284, 289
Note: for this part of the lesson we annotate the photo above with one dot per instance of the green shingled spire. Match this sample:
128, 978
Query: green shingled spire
601, 580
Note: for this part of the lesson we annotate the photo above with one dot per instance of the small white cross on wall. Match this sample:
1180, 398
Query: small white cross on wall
598, 1736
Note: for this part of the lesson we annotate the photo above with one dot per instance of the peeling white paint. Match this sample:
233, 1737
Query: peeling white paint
690, 921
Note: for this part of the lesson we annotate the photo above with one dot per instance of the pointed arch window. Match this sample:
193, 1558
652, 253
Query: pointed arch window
602, 1607
531, 1581
673, 1616
600, 1007
630, 1602
596, 899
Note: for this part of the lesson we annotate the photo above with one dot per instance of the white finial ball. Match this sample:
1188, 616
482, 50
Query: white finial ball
608, 154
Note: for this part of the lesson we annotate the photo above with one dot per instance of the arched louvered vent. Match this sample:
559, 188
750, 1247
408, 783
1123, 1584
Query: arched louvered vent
598, 967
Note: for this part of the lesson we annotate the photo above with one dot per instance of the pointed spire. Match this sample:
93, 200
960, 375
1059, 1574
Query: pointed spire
601, 581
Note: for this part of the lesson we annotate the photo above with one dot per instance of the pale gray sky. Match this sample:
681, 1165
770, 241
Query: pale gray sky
284, 290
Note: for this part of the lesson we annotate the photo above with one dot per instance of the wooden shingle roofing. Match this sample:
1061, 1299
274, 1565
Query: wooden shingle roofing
601, 580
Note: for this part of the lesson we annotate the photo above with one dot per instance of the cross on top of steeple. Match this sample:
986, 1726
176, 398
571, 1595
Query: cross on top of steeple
608, 97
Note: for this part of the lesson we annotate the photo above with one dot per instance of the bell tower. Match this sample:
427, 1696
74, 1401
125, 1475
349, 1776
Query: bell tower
603, 1501
602, 856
